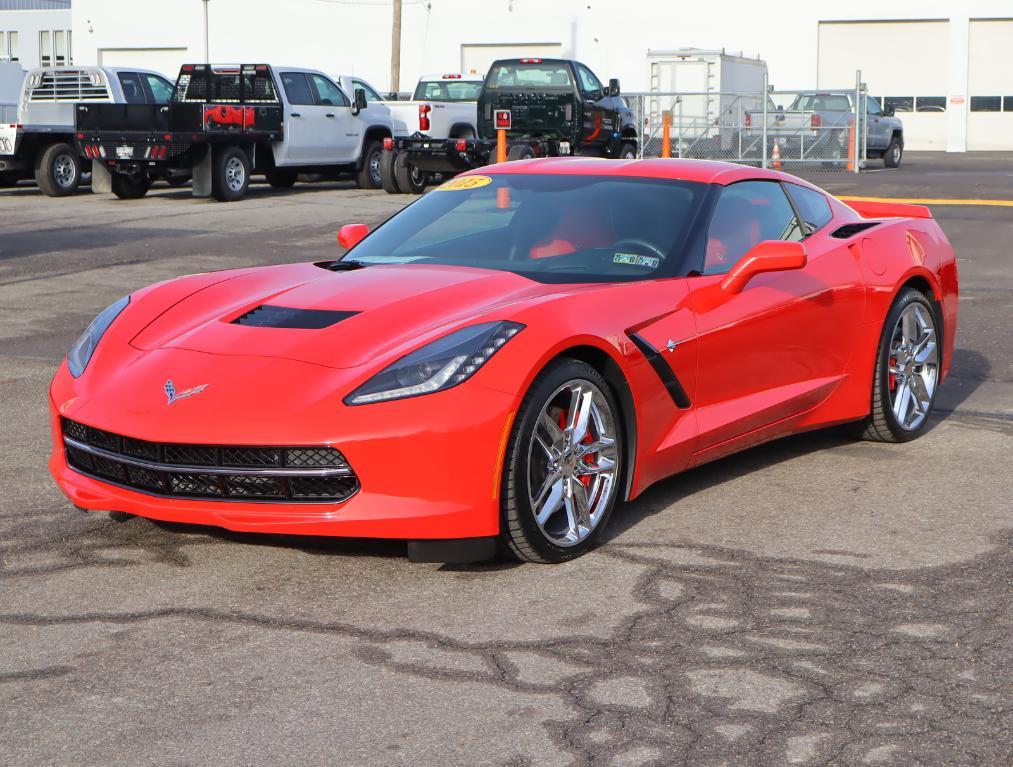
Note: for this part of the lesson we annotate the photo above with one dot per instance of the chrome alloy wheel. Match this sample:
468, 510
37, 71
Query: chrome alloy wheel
375, 174
64, 170
914, 366
573, 463
235, 174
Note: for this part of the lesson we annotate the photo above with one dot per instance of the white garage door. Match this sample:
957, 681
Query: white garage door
477, 57
990, 85
164, 60
911, 81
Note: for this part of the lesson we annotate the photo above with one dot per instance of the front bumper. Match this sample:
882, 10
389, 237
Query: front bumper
428, 467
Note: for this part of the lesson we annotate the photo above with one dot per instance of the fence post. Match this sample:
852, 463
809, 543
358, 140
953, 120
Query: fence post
666, 134
765, 97
853, 149
681, 123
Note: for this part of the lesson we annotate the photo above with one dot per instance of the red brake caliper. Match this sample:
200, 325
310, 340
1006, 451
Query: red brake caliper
589, 458
893, 376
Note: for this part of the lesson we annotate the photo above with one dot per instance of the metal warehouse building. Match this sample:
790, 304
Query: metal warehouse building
938, 63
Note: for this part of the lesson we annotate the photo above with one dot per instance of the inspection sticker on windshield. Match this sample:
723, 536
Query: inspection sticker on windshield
631, 259
464, 182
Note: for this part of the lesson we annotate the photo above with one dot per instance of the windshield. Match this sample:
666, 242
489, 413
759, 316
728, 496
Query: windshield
549, 228
447, 90
822, 103
517, 75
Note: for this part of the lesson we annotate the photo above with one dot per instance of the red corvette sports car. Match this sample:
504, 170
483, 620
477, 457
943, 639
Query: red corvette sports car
510, 356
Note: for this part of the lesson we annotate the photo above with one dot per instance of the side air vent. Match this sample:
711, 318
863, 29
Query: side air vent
850, 230
267, 316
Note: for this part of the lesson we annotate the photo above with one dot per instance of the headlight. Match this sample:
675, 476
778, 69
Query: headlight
80, 353
442, 364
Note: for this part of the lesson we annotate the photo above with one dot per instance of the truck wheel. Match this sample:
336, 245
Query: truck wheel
230, 174
130, 187
370, 177
58, 170
177, 181
627, 152
893, 153
409, 179
280, 178
520, 152
387, 174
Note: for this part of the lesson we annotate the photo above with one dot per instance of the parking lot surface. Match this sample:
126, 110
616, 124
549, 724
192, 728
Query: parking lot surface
811, 601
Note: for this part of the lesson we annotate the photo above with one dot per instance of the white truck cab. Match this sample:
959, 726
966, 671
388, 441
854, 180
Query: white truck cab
40, 141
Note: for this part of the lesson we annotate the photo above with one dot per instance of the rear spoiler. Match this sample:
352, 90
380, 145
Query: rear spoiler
872, 208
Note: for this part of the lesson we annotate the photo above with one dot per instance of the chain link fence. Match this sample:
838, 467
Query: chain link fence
791, 130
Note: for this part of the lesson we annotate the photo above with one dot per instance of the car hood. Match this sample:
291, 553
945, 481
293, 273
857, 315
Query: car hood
374, 311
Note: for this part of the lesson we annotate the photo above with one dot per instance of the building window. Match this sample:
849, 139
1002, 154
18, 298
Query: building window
986, 103
45, 49
60, 47
1007, 103
12, 46
899, 103
930, 104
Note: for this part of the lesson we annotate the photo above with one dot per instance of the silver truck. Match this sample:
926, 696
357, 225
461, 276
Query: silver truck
40, 142
818, 125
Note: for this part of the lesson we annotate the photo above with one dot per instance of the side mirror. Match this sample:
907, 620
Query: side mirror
359, 100
766, 256
351, 235
613, 87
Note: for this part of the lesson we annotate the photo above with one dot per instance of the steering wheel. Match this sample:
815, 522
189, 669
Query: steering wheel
636, 241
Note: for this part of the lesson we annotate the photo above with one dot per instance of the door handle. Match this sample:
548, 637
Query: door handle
330, 114
296, 114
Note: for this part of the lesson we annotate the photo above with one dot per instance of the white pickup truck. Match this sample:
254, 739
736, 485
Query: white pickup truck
443, 106
225, 123
41, 140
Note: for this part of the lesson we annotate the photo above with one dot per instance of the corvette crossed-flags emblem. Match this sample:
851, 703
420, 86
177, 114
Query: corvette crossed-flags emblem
172, 395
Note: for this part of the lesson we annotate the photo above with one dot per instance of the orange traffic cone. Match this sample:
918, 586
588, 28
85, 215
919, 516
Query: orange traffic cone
775, 157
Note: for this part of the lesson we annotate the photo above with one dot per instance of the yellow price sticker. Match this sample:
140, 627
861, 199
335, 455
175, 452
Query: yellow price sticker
464, 182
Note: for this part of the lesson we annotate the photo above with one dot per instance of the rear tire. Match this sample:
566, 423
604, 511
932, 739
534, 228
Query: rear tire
58, 170
130, 187
387, 175
177, 181
230, 174
894, 153
409, 179
369, 177
520, 152
280, 178
561, 480
627, 152
907, 371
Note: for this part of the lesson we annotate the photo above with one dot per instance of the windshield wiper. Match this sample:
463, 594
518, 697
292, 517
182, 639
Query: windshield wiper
347, 265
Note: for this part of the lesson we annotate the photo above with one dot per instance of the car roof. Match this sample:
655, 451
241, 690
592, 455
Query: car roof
704, 171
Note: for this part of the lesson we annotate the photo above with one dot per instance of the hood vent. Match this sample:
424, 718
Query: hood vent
850, 230
284, 317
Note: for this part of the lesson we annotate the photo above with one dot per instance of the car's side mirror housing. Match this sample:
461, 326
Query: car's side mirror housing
766, 256
359, 100
613, 87
351, 235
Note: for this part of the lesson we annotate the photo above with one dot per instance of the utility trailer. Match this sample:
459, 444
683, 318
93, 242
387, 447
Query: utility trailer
707, 93
225, 123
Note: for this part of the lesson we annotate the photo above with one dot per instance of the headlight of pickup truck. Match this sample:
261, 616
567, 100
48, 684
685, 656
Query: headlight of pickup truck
80, 353
439, 365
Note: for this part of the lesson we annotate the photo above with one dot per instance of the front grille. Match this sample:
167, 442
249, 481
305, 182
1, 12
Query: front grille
223, 472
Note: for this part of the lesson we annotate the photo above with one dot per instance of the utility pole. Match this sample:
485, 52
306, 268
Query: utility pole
395, 48
207, 53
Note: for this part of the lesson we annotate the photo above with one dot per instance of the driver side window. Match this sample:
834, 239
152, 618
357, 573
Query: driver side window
328, 94
589, 84
873, 106
746, 214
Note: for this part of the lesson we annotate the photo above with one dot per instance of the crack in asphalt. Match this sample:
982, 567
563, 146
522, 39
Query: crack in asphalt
729, 656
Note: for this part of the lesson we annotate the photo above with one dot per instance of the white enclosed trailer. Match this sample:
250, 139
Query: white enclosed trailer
707, 93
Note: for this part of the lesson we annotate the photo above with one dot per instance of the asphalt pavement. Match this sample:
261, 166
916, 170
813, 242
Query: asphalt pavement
812, 601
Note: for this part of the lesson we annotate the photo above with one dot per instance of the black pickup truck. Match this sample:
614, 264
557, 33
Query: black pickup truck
548, 107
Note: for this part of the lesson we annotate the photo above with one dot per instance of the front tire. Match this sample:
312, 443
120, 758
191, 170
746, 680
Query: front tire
58, 170
409, 178
130, 187
370, 176
907, 371
894, 153
230, 174
563, 467
627, 152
